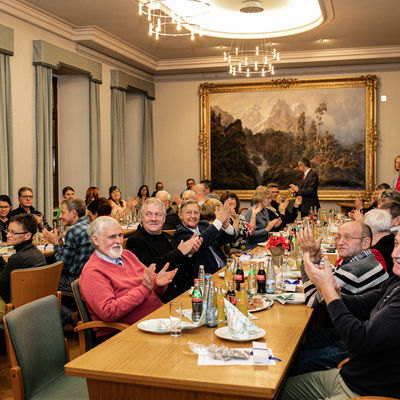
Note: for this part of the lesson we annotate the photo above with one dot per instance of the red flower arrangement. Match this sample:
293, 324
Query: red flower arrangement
277, 241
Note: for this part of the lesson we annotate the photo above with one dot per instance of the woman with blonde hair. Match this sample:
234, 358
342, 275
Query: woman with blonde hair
396, 177
267, 220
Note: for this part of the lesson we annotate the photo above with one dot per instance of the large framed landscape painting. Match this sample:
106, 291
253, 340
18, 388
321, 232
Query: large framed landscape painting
254, 133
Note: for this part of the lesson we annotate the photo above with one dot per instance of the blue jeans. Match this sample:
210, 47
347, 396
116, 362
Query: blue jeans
321, 351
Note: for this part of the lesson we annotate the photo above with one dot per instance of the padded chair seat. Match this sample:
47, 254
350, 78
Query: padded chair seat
64, 388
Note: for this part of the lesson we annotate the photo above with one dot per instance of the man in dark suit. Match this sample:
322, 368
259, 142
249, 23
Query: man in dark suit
214, 234
153, 246
308, 189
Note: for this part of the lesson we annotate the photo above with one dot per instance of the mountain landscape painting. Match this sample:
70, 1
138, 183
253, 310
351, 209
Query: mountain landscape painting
257, 137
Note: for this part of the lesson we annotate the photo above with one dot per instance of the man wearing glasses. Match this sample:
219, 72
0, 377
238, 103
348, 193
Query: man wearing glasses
20, 232
25, 199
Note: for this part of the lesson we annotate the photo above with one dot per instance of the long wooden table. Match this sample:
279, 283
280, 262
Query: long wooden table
140, 365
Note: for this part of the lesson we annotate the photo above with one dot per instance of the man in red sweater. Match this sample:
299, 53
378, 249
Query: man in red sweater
114, 284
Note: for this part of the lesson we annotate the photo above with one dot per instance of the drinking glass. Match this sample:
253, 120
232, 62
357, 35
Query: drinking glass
175, 318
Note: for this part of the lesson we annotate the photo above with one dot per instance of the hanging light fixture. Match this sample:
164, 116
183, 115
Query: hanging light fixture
173, 17
258, 60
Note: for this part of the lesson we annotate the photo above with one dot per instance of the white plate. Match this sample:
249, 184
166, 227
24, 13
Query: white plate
262, 244
223, 333
267, 303
154, 325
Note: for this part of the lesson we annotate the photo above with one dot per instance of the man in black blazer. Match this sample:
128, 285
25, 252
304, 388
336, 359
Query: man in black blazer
172, 219
151, 245
308, 189
214, 235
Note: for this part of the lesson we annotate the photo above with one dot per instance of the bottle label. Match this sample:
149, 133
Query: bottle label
239, 277
261, 277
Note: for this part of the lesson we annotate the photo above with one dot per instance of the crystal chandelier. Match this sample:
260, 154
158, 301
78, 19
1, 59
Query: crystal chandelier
259, 60
173, 17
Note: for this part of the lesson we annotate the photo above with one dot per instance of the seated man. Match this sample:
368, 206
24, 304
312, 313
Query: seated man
159, 187
382, 239
153, 246
210, 194
98, 208
214, 235
393, 208
289, 209
114, 284
369, 325
172, 219
67, 193
25, 199
200, 191
20, 232
357, 269
186, 195
77, 247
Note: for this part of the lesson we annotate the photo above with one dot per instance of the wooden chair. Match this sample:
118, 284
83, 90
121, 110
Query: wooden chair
34, 283
38, 351
84, 327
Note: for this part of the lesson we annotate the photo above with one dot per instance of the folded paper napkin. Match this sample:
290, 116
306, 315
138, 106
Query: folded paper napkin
294, 298
240, 327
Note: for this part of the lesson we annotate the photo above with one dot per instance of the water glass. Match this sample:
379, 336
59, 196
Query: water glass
175, 318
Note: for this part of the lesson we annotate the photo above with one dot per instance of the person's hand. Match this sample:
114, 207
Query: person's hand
283, 205
271, 224
177, 200
322, 277
51, 237
293, 188
359, 203
148, 276
196, 245
222, 213
297, 201
256, 209
165, 277
358, 215
39, 220
186, 247
309, 244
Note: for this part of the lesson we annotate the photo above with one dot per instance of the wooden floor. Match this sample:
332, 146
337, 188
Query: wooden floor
5, 382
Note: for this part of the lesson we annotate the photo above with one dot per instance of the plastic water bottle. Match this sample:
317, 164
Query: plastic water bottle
211, 313
201, 278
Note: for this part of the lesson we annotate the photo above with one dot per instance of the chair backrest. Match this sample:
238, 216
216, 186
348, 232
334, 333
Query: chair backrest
90, 335
35, 341
34, 283
124, 243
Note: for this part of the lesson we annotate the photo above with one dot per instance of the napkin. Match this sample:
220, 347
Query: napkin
295, 298
240, 327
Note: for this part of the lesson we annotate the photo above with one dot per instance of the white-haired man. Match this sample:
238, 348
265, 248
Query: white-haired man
114, 284
172, 219
382, 239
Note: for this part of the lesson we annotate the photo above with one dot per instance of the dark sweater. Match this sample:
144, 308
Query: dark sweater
369, 325
26, 256
383, 252
160, 249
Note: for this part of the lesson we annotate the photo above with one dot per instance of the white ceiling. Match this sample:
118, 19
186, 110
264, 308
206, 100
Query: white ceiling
354, 32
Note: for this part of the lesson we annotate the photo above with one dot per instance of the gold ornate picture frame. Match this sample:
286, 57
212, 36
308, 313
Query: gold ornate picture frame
254, 133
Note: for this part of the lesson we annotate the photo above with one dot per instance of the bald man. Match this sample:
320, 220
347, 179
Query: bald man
172, 219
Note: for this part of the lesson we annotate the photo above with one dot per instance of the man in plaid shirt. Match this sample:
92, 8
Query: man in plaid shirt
77, 247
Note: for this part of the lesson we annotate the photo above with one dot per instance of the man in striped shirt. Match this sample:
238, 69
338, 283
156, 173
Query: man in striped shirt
357, 269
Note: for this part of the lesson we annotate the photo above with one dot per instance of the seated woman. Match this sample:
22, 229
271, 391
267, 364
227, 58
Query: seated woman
382, 240
20, 232
267, 220
92, 193
142, 195
118, 206
5, 208
98, 208
207, 210
243, 229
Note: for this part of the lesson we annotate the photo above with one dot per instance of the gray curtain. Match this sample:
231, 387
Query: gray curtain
5, 126
148, 142
95, 129
118, 164
44, 141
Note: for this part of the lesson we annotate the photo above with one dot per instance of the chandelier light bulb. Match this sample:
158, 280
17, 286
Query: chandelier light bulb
245, 61
236, 51
178, 25
248, 73
240, 67
192, 36
263, 72
255, 66
257, 51
278, 57
272, 70
150, 29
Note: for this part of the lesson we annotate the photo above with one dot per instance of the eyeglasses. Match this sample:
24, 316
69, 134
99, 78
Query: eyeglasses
15, 233
27, 197
5, 207
346, 238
